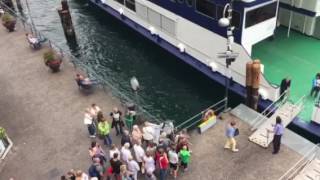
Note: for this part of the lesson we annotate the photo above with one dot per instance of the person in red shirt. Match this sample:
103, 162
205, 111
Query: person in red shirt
164, 165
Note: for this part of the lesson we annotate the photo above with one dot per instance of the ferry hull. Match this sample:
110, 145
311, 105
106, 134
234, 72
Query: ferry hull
312, 131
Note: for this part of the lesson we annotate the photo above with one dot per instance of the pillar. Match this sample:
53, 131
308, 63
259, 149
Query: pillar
66, 21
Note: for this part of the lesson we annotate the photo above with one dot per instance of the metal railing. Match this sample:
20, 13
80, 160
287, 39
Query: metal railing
269, 110
298, 105
313, 154
194, 120
79, 65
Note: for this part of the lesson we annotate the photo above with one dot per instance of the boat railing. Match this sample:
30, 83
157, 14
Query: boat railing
261, 117
217, 108
312, 154
78, 64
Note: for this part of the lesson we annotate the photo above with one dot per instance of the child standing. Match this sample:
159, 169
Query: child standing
184, 155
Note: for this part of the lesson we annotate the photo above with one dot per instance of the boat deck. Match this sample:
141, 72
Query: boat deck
297, 57
211, 161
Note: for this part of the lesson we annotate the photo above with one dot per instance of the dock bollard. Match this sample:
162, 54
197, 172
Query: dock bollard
66, 21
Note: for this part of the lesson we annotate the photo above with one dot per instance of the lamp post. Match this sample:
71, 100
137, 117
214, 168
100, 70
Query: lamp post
228, 55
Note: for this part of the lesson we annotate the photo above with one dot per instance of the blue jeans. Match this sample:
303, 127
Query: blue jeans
91, 129
118, 128
163, 174
107, 140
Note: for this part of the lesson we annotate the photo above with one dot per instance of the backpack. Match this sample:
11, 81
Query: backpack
236, 132
93, 171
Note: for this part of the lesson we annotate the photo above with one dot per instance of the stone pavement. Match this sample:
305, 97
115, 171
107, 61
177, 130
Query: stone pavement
42, 113
210, 161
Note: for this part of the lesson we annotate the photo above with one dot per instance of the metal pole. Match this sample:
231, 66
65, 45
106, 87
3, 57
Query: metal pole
228, 49
227, 87
290, 19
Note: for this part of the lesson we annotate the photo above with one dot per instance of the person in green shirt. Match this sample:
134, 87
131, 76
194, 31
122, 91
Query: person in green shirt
184, 156
104, 131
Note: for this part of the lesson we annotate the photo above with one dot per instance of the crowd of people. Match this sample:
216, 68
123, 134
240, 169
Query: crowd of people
140, 153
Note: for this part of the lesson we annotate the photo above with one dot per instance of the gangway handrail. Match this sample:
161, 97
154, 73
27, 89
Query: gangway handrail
261, 116
203, 111
293, 170
300, 101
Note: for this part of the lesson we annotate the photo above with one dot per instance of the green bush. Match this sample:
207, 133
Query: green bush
2, 133
7, 18
49, 56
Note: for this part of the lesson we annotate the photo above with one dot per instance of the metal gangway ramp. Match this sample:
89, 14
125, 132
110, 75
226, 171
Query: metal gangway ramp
308, 168
286, 110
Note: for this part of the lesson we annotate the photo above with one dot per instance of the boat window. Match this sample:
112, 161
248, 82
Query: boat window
189, 3
261, 14
236, 19
206, 7
120, 1
130, 4
220, 12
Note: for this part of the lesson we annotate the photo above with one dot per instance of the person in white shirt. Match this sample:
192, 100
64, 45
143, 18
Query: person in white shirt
133, 167
81, 175
113, 150
88, 120
125, 152
173, 160
149, 163
139, 153
94, 110
117, 122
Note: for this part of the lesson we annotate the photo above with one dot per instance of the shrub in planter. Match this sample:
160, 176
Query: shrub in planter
52, 60
2, 133
9, 21
3, 137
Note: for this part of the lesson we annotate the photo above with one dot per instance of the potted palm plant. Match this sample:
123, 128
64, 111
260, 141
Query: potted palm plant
9, 22
52, 60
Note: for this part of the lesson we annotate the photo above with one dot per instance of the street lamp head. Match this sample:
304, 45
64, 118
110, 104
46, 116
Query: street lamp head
224, 22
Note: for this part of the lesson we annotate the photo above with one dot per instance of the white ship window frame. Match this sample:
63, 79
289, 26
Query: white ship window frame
246, 10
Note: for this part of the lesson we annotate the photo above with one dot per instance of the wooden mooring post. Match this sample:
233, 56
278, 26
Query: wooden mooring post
253, 70
9, 3
19, 5
66, 21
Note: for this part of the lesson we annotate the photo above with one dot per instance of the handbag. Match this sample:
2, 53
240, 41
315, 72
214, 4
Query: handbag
236, 132
113, 123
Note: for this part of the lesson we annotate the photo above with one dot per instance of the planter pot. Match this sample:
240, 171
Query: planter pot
204, 126
54, 65
4, 145
10, 25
